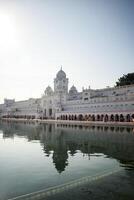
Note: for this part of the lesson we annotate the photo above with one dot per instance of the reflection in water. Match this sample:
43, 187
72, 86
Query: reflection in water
60, 141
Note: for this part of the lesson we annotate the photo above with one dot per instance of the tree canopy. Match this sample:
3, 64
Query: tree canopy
127, 79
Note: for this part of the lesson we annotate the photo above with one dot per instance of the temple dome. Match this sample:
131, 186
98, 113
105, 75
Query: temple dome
48, 91
61, 74
73, 90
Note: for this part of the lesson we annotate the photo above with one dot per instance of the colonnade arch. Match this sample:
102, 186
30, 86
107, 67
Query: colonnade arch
99, 117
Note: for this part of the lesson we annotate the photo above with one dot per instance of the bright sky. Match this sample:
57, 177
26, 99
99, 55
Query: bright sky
92, 39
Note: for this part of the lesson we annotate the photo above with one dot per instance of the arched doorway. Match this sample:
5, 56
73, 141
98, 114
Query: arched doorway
50, 112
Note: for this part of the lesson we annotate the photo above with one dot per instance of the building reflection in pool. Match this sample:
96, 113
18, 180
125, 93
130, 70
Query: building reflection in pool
61, 140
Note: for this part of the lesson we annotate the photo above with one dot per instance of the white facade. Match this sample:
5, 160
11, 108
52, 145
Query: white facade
108, 104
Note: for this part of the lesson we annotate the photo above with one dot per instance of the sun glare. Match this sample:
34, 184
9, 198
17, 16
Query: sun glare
7, 31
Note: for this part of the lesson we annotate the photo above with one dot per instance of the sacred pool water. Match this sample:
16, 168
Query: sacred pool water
59, 161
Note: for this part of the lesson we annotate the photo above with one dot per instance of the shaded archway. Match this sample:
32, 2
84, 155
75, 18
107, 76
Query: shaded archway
132, 117
70, 117
106, 118
80, 117
112, 118
121, 118
93, 117
89, 118
64, 117
86, 117
102, 117
75, 117
116, 117
98, 117
128, 118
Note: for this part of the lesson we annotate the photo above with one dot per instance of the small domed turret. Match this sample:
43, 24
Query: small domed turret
48, 91
73, 90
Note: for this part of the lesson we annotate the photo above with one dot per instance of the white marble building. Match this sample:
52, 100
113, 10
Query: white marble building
108, 104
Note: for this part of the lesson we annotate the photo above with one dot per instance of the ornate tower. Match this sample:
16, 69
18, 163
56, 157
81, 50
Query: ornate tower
61, 83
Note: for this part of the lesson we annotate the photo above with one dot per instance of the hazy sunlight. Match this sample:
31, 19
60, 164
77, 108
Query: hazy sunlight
7, 31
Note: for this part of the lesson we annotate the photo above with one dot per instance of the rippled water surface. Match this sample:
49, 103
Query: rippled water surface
38, 156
